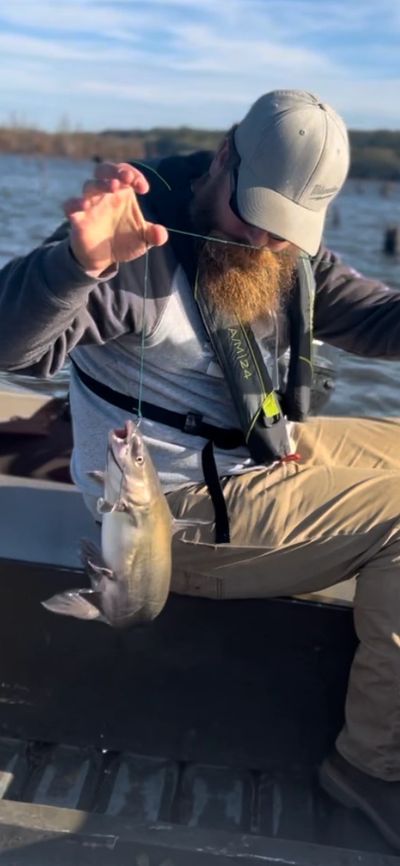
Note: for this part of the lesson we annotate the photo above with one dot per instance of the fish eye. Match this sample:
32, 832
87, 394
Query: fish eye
139, 460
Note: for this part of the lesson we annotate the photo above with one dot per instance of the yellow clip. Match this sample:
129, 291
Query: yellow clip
270, 405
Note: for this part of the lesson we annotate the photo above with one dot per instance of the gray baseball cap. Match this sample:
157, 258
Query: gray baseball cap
294, 158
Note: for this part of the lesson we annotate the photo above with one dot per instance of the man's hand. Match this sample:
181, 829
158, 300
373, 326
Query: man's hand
107, 225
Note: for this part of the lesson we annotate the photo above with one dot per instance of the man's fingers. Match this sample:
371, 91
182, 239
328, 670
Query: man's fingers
155, 235
108, 170
75, 205
123, 174
98, 187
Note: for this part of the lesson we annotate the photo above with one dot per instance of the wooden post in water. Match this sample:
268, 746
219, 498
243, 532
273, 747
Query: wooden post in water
391, 241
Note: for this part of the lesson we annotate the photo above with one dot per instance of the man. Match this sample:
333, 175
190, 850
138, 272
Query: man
196, 328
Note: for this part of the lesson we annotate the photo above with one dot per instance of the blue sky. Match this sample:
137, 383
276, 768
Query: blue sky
125, 64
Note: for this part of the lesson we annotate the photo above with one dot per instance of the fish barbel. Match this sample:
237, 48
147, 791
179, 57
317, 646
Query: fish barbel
131, 575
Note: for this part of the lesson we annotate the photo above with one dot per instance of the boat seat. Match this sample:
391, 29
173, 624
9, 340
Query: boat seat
43, 521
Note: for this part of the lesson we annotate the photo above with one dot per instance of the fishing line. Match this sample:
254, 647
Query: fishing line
218, 240
145, 294
213, 238
142, 343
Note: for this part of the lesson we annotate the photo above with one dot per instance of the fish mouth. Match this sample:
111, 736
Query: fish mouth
124, 434
124, 441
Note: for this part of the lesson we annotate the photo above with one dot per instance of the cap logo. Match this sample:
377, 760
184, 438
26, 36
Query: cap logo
320, 191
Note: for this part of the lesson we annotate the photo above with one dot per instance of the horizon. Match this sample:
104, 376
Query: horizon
69, 129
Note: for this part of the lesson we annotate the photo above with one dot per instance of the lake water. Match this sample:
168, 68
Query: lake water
32, 191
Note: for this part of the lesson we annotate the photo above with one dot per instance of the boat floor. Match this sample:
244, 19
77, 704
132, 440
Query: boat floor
196, 738
212, 721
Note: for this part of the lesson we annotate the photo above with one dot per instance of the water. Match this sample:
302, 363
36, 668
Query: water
365, 209
32, 190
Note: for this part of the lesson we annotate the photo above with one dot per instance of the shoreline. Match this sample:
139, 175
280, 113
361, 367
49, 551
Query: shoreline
375, 153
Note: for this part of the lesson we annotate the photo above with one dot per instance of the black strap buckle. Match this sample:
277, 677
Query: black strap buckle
192, 423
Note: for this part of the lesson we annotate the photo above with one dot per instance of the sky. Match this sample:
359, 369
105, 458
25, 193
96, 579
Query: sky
101, 64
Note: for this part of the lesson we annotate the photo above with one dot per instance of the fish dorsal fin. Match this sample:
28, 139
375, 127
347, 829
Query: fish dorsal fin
90, 550
92, 560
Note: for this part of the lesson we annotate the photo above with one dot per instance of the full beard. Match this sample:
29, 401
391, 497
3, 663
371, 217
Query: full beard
246, 282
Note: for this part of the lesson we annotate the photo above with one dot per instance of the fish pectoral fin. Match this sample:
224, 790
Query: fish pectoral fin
121, 505
96, 475
104, 507
75, 602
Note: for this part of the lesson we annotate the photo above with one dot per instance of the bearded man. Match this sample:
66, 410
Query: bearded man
235, 273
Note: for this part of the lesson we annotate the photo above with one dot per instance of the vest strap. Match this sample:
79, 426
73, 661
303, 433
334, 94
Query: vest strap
222, 437
211, 477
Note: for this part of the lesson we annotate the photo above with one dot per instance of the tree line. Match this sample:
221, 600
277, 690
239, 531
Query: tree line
375, 153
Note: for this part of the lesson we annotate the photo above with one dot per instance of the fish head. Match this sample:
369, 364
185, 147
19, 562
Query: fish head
130, 472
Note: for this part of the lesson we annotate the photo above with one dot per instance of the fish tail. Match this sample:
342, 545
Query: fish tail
75, 602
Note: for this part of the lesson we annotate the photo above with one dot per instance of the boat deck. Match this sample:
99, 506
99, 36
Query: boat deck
194, 740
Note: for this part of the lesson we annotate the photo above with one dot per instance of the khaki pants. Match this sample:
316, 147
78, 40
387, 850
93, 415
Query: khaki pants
302, 527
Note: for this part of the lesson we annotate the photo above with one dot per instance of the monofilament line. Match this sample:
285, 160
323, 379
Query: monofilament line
142, 342
145, 293
230, 242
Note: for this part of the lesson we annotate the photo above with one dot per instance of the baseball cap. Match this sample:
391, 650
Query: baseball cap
294, 158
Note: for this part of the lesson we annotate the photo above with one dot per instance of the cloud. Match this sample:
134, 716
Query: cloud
182, 61
56, 51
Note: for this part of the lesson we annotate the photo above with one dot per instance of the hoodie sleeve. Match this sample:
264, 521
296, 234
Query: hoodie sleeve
48, 304
352, 312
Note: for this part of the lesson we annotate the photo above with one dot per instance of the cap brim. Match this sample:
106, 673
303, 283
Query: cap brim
273, 212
